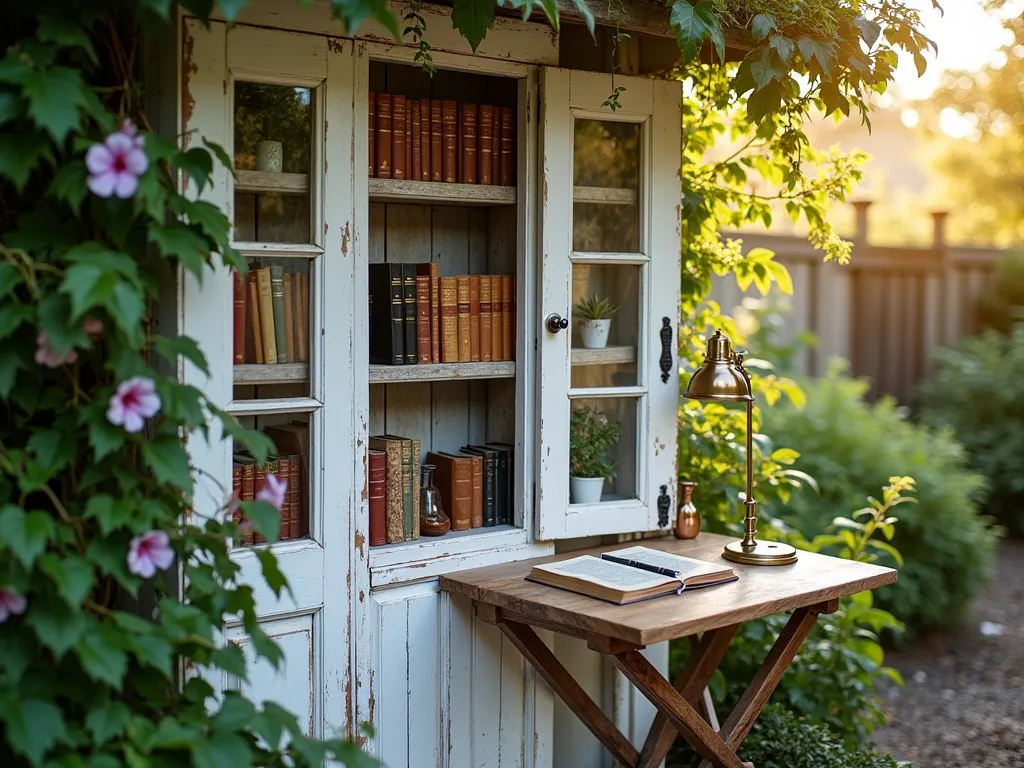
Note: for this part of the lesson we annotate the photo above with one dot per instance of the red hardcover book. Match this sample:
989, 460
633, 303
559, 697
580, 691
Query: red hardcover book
474, 318
449, 158
398, 131
294, 496
423, 315
247, 490
236, 488
409, 104
378, 498
284, 469
507, 350
382, 144
425, 138
373, 129
485, 144
436, 141
467, 143
496, 318
507, 156
239, 317
417, 152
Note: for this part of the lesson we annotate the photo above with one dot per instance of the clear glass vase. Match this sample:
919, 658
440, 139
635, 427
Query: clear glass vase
433, 520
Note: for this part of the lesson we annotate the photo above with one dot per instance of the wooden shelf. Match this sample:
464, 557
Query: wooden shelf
604, 195
439, 193
278, 373
383, 374
261, 181
606, 356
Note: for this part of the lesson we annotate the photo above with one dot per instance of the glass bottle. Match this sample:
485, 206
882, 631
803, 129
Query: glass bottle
433, 520
687, 516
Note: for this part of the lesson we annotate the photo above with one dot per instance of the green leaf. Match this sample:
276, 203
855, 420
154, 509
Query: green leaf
275, 579
196, 162
869, 30
472, 18
690, 29
72, 575
230, 659
172, 734
107, 721
9, 277
108, 513
354, 12
764, 102
154, 651
65, 31
888, 548
88, 286
209, 217
181, 242
33, 727
823, 53
95, 254
230, 9
180, 346
762, 25
18, 648
102, 655
53, 448
222, 749
257, 443
25, 534
108, 555
584, 10
104, 437
783, 46
57, 626
167, 457
220, 152
69, 185
20, 153
127, 307
762, 67
264, 517
54, 98
706, 12
236, 713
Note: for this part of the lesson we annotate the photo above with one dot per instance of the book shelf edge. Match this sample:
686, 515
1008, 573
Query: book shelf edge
390, 374
439, 193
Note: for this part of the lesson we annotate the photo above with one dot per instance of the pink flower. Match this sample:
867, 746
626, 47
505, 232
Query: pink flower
134, 402
273, 491
116, 164
47, 355
11, 604
149, 552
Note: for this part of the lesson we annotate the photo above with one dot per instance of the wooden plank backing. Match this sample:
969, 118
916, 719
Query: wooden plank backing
760, 591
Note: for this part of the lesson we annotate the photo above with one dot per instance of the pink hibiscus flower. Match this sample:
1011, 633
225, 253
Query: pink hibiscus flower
273, 491
116, 165
11, 604
134, 401
47, 355
150, 552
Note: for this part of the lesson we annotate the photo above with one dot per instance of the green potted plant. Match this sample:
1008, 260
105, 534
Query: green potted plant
594, 316
591, 433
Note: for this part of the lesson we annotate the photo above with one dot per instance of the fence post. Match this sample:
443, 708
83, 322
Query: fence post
949, 291
861, 232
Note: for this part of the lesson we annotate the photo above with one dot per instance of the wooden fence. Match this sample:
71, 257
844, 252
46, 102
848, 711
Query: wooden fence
885, 311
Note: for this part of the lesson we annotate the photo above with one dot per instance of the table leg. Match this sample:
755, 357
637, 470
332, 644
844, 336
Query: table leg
754, 699
690, 682
540, 656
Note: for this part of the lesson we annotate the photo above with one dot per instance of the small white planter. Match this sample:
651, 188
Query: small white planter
594, 333
586, 490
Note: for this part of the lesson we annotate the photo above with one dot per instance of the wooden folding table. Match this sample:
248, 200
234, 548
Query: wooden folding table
709, 617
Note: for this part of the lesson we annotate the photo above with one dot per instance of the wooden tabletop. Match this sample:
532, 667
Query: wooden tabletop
760, 591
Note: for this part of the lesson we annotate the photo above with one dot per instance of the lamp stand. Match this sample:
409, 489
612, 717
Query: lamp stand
749, 551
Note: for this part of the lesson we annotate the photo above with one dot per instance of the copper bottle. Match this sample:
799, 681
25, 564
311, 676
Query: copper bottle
687, 516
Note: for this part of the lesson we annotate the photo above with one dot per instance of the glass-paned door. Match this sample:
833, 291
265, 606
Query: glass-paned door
610, 231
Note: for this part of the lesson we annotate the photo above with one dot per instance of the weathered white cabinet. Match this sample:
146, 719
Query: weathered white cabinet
368, 637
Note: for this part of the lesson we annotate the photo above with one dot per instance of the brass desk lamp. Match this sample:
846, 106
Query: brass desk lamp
722, 378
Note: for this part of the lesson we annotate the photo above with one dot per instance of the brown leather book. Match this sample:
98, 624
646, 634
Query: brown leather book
408, 137
292, 439
467, 129
449, 135
435, 312
453, 476
382, 144
247, 490
236, 488
238, 290
266, 303
254, 317
476, 519
289, 318
373, 130
394, 496
496, 157
270, 465
496, 348
378, 494
436, 141
507, 154
294, 496
422, 314
462, 298
508, 351
425, 134
283, 471
449, 320
485, 144
485, 318
417, 152
416, 448
474, 318
398, 133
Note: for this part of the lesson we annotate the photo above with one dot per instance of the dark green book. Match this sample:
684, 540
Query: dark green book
490, 481
387, 319
409, 293
277, 300
506, 482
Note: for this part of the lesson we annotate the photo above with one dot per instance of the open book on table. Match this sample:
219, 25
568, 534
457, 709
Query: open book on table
630, 575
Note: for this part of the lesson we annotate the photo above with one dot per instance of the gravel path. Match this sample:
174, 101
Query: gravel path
963, 704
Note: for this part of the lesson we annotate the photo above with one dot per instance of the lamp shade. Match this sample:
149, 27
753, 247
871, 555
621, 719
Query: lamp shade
721, 376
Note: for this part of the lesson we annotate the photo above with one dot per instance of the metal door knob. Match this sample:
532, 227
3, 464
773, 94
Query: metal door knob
555, 323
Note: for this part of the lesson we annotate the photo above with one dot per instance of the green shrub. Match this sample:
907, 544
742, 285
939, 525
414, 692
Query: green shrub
849, 445
1001, 304
974, 392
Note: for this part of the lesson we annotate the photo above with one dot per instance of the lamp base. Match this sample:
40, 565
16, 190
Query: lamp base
764, 553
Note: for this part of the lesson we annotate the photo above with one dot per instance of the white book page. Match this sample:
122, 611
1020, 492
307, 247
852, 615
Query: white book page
606, 573
684, 566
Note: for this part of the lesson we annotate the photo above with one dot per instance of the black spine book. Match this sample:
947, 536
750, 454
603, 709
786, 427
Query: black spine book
507, 481
490, 480
409, 282
387, 300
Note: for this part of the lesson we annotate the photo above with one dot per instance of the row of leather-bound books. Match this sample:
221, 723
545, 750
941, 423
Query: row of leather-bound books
434, 140
417, 316
476, 483
271, 315
291, 464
